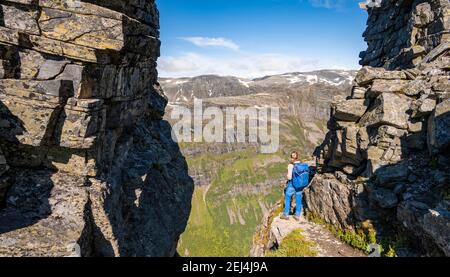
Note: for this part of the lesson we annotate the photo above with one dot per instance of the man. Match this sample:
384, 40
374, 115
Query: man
298, 180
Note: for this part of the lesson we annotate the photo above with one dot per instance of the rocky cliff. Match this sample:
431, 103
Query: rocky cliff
87, 163
385, 161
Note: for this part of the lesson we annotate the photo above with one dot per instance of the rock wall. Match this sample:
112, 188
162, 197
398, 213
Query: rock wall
386, 156
87, 164
401, 33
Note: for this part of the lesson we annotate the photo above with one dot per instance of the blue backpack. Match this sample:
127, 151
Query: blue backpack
300, 176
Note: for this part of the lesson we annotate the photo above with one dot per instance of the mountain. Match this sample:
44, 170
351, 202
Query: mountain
210, 86
236, 185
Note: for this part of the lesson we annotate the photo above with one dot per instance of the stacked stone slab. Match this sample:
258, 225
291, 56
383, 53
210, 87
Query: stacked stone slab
401, 33
386, 157
85, 157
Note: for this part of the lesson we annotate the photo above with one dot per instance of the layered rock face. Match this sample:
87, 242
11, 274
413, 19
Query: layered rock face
386, 157
401, 33
87, 164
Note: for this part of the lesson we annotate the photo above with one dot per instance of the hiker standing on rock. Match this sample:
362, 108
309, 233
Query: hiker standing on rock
298, 180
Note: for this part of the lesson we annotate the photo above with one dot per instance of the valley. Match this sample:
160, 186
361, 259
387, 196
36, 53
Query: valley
235, 185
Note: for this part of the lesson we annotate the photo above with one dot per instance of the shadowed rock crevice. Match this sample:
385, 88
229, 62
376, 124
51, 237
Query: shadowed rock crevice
81, 133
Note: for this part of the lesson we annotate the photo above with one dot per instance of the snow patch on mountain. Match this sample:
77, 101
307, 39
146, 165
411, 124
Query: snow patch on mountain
245, 83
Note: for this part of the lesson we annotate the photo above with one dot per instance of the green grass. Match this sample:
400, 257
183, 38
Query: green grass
200, 230
205, 160
294, 245
364, 235
245, 172
209, 231
359, 240
298, 141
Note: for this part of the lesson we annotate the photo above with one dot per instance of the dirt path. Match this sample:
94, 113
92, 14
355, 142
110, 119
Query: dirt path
327, 245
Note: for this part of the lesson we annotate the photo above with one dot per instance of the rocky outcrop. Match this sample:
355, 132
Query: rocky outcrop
389, 164
402, 34
273, 231
87, 163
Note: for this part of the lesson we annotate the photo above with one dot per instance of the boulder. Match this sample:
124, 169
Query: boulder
351, 170
427, 106
38, 90
387, 175
374, 153
358, 92
412, 73
385, 198
430, 225
331, 199
415, 87
20, 63
417, 50
380, 86
442, 84
394, 153
28, 122
20, 19
363, 139
350, 147
415, 126
367, 74
439, 128
51, 68
436, 224
436, 52
390, 131
423, 15
346, 148
350, 110
388, 109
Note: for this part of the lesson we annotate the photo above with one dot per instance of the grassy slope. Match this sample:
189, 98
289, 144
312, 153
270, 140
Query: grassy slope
294, 245
209, 231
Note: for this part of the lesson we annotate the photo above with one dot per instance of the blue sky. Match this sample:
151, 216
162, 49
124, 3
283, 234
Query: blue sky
253, 38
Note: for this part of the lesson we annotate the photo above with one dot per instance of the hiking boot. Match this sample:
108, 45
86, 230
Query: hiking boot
284, 217
297, 217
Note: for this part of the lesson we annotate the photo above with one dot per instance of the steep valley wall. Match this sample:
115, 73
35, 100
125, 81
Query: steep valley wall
87, 163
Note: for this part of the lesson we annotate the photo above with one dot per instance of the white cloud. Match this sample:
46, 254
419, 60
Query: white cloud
212, 42
247, 66
328, 4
